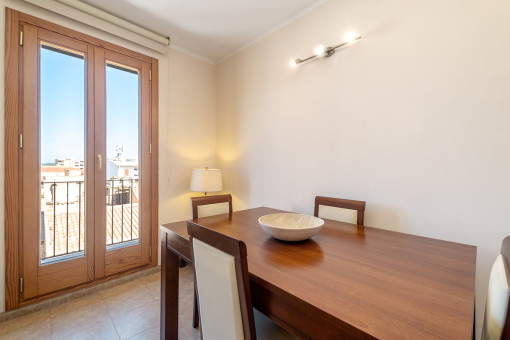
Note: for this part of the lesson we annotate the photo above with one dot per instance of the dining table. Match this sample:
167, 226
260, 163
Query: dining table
346, 282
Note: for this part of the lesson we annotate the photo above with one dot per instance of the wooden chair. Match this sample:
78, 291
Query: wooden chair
206, 200
496, 325
195, 203
223, 288
341, 203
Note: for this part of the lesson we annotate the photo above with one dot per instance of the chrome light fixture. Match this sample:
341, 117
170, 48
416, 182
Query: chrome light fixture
321, 50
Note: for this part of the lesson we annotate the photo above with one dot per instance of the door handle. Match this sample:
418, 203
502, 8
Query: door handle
100, 162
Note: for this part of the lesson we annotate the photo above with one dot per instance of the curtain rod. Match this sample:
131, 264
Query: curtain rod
116, 20
106, 22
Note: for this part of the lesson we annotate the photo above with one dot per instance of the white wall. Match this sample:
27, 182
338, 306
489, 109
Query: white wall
190, 138
414, 119
187, 106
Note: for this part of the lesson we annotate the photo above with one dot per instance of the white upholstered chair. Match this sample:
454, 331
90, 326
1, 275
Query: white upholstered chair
496, 325
340, 209
223, 289
214, 205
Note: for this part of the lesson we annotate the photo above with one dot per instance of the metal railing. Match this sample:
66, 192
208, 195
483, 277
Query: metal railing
122, 192
63, 216
55, 211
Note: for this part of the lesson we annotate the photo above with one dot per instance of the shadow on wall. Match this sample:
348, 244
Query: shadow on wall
235, 178
384, 217
174, 184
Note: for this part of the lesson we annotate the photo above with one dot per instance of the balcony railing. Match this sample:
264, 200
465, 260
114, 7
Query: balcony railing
122, 192
63, 216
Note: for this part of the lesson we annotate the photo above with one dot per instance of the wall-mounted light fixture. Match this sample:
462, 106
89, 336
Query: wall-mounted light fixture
321, 50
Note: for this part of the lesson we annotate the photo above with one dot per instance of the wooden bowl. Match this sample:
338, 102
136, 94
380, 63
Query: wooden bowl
291, 227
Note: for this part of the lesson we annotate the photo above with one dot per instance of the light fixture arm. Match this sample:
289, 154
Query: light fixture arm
328, 52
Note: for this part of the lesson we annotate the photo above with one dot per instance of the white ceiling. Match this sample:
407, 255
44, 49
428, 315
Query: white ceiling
212, 29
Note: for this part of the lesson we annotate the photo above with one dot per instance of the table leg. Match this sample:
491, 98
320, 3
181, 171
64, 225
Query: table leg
195, 310
169, 325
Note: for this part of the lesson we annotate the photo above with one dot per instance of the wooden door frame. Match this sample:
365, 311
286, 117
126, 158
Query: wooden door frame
111, 261
13, 232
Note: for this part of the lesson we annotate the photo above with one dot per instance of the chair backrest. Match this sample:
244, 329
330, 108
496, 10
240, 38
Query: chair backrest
359, 206
205, 200
496, 324
222, 285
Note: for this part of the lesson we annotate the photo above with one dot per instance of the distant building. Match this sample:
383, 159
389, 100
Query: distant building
70, 163
61, 185
122, 168
59, 171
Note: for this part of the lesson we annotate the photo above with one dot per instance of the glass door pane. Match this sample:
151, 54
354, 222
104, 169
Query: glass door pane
122, 155
62, 153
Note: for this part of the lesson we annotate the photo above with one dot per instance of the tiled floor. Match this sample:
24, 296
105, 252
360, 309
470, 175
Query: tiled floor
127, 311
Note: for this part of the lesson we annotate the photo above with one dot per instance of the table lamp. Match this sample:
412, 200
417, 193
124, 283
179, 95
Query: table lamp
206, 180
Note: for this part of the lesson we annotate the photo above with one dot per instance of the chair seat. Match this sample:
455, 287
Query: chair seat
267, 329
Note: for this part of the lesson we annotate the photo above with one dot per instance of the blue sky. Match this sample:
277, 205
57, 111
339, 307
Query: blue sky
63, 108
121, 112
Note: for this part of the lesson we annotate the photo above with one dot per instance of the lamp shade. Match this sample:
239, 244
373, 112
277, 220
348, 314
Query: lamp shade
206, 180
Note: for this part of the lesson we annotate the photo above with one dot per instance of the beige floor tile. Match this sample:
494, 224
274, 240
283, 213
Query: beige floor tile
76, 304
77, 320
121, 289
186, 330
189, 333
40, 332
155, 292
126, 297
134, 321
156, 277
186, 273
31, 326
153, 284
104, 330
149, 334
186, 298
186, 324
27, 319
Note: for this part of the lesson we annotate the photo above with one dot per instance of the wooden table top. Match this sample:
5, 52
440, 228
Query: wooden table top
387, 284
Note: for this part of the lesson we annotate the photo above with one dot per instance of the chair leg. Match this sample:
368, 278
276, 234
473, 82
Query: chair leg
195, 310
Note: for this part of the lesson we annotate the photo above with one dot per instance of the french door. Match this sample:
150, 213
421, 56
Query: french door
85, 140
